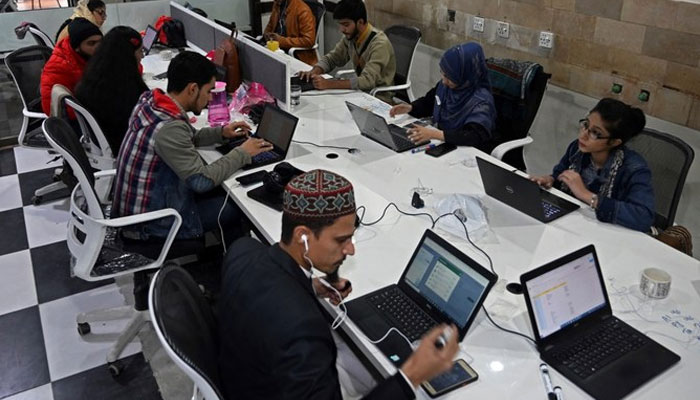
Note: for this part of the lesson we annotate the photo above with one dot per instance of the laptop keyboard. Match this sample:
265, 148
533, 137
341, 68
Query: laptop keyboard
550, 209
599, 348
266, 156
409, 319
401, 139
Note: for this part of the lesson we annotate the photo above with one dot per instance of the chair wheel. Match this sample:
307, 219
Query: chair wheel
115, 368
83, 328
36, 200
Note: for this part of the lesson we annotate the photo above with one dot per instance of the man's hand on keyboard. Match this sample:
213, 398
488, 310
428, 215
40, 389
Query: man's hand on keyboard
254, 146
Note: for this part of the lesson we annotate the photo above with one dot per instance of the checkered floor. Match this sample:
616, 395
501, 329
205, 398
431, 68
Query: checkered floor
41, 354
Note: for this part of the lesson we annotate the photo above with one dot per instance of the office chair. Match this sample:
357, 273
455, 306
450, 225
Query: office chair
25, 66
41, 38
186, 327
514, 116
669, 159
318, 10
405, 40
94, 240
93, 139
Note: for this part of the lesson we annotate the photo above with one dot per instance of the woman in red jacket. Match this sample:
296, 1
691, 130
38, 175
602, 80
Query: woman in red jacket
68, 60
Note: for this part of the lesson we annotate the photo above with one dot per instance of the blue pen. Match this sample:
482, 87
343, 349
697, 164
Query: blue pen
423, 148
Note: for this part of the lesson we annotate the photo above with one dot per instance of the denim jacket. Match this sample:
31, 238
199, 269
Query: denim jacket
631, 202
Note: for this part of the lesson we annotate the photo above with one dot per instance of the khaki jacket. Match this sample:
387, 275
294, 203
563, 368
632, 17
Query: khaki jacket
301, 29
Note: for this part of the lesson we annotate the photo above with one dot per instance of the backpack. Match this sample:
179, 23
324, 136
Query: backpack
172, 32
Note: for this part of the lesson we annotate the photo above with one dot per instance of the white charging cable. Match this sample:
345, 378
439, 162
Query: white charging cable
341, 305
393, 328
218, 220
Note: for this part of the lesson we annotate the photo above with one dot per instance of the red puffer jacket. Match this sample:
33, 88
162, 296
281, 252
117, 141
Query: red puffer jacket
65, 67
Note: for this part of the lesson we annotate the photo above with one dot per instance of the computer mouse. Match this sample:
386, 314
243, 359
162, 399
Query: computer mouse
514, 288
353, 151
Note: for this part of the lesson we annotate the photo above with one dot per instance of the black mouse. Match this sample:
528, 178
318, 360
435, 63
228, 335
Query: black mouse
514, 288
353, 150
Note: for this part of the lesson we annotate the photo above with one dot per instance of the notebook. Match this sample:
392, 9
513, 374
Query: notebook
375, 127
521, 193
577, 334
277, 127
440, 285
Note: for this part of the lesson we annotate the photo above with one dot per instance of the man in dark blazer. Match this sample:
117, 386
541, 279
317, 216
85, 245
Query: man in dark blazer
275, 340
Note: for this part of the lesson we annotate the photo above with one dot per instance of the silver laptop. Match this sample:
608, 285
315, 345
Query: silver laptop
376, 128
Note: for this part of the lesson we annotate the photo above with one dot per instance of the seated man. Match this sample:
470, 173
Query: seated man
293, 24
368, 48
275, 340
158, 165
68, 60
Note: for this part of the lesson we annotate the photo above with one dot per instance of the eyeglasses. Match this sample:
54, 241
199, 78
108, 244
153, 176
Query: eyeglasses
593, 133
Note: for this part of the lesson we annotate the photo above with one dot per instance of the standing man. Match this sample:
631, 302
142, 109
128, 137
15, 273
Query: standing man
368, 48
275, 339
293, 24
69, 58
158, 164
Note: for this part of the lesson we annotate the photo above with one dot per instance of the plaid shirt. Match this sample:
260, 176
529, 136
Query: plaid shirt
137, 161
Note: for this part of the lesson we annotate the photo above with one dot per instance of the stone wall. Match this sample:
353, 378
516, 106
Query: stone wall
651, 45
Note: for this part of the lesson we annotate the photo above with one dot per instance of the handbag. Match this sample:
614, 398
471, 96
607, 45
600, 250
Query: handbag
226, 57
677, 237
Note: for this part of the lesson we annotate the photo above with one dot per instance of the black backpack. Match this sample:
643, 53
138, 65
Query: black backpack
174, 33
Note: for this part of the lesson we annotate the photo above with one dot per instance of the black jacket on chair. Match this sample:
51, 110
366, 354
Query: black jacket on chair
275, 341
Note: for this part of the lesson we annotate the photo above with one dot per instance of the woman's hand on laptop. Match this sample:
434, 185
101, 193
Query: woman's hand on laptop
429, 361
545, 181
423, 134
254, 146
235, 129
400, 109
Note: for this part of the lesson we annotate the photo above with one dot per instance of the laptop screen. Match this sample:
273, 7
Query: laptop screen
447, 282
149, 38
566, 294
277, 127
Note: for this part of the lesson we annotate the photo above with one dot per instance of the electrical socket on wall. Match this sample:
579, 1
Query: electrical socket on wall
451, 14
546, 39
503, 29
478, 24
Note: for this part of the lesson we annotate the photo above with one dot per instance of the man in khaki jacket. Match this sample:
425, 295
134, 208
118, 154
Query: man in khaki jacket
293, 24
368, 48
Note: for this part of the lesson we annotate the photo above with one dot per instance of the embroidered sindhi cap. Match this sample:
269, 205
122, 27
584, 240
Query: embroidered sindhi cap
319, 193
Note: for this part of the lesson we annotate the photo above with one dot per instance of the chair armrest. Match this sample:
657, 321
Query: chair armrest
120, 222
390, 88
503, 148
107, 172
292, 50
33, 114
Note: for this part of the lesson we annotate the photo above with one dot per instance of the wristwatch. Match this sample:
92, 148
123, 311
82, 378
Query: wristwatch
594, 201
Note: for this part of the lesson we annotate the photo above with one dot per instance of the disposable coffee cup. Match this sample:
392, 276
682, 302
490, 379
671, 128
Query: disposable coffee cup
655, 283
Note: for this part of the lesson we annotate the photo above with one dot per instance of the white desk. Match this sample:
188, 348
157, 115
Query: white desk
507, 364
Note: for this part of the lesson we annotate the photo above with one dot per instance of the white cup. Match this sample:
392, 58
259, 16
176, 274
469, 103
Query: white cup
166, 55
655, 283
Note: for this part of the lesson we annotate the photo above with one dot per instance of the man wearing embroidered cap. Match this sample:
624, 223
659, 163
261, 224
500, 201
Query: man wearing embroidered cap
275, 337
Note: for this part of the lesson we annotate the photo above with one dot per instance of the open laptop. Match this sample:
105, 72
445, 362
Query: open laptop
277, 127
440, 285
577, 334
375, 127
149, 39
521, 193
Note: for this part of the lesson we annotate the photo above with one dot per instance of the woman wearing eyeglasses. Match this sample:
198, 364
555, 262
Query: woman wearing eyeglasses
94, 11
599, 170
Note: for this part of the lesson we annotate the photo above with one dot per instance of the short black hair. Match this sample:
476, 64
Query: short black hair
350, 9
289, 222
188, 67
621, 120
93, 5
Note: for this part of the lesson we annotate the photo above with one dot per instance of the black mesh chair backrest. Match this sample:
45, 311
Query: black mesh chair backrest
317, 9
669, 159
187, 322
404, 40
61, 133
25, 65
514, 117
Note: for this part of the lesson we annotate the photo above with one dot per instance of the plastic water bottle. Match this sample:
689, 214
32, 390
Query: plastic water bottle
218, 108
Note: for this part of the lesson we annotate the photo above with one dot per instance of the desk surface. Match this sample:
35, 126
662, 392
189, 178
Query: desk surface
507, 364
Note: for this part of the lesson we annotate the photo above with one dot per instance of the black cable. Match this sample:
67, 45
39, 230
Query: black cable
324, 146
507, 330
466, 233
364, 209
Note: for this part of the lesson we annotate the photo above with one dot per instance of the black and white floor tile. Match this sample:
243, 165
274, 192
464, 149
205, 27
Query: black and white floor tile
41, 354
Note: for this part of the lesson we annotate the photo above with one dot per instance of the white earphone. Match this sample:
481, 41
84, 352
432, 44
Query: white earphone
305, 239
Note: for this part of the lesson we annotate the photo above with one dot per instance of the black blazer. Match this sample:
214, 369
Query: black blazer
275, 341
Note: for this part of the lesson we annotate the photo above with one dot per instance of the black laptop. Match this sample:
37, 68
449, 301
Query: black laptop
376, 128
577, 334
521, 193
277, 127
440, 285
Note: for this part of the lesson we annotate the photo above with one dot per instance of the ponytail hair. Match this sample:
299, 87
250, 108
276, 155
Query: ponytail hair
621, 120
